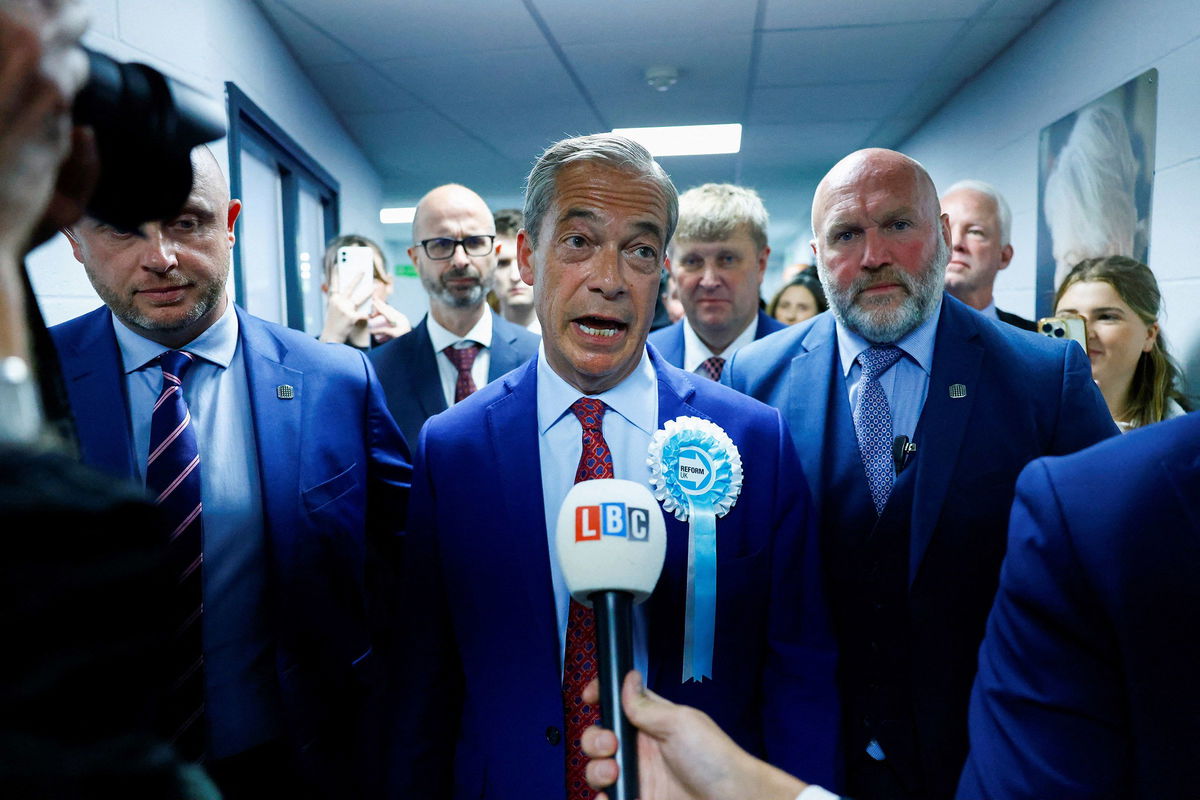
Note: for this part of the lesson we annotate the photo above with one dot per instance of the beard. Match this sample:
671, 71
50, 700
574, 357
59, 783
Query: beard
881, 325
438, 290
126, 311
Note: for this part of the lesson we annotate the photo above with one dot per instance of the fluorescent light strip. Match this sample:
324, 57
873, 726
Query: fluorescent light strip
687, 140
397, 216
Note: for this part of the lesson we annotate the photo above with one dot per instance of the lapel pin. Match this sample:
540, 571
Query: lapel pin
958, 390
285, 392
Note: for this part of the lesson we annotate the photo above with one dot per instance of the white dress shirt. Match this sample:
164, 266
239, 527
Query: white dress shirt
696, 352
481, 334
629, 423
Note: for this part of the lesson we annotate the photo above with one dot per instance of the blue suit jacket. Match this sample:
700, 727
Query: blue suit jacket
1026, 396
334, 469
669, 340
408, 371
486, 672
1087, 682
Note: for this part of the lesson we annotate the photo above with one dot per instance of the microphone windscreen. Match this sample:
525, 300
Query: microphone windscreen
610, 536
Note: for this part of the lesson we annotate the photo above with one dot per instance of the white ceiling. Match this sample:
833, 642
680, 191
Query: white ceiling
472, 90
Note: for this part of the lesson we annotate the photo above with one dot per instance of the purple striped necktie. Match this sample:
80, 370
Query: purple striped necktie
173, 480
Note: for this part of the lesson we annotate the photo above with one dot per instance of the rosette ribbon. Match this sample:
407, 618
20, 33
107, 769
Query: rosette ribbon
696, 473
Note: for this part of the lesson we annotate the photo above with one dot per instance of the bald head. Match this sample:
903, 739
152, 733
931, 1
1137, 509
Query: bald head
464, 222
207, 176
875, 166
881, 243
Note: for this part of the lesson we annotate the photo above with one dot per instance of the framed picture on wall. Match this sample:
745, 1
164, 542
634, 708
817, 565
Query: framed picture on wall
1095, 179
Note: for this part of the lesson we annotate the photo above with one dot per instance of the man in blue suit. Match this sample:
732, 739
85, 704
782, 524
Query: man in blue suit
912, 415
302, 484
495, 622
460, 345
1087, 676
718, 258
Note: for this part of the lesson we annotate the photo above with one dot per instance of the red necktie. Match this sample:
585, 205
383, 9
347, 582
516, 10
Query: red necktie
580, 662
462, 358
711, 367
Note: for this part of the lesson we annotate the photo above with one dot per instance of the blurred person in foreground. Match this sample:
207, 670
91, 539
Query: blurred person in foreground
81, 606
915, 415
1120, 300
718, 259
344, 322
799, 299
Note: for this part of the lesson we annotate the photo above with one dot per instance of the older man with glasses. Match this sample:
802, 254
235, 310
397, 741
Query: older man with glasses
460, 345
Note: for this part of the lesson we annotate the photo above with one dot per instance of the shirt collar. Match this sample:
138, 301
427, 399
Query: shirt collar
989, 311
217, 344
627, 398
917, 344
696, 352
442, 338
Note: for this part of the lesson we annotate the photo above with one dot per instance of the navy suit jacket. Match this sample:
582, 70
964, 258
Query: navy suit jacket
408, 371
1087, 682
486, 676
1025, 396
669, 340
334, 469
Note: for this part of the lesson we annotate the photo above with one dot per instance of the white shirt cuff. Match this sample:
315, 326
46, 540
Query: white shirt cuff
816, 793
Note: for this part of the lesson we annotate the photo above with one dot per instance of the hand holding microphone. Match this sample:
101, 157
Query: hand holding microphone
611, 542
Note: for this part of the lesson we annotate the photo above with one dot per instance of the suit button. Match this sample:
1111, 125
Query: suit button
553, 735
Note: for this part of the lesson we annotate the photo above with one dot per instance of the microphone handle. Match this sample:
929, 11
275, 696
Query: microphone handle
614, 642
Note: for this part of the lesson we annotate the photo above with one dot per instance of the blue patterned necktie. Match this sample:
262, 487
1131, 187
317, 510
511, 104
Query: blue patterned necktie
173, 480
873, 422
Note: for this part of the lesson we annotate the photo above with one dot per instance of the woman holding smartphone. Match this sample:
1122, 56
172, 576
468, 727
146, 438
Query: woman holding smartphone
1120, 300
358, 313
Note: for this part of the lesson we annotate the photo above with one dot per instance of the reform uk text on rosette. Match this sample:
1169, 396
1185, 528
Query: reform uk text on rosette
696, 473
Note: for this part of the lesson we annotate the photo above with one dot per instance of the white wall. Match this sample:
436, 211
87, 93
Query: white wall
205, 44
1078, 51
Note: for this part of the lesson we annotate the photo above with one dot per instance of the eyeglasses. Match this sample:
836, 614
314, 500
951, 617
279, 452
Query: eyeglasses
440, 249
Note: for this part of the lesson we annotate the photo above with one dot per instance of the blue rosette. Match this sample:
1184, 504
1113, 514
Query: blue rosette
696, 473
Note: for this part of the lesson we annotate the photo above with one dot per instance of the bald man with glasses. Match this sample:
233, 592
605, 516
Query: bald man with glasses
460, 345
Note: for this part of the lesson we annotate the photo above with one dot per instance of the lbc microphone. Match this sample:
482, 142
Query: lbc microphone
611, 542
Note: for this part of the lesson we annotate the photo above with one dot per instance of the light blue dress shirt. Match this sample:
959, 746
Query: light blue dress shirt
241, 699
906, 384
629, 423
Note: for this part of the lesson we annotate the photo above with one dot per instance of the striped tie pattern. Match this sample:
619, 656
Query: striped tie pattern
873, 422
173, 480
712, 367
580, 665
463, 358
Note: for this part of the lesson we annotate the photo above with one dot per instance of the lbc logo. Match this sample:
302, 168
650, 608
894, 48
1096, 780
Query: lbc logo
612, 519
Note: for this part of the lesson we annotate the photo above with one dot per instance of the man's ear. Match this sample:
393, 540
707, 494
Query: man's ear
76, 247
525, 256
235, 208
1006, 254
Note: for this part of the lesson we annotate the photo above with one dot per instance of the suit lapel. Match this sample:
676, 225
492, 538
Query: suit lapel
95, 379
1185, 479
276, 429
957, 357
812, 372
512, 429
504, 357
427, 381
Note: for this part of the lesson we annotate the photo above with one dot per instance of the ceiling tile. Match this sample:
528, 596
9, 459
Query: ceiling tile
836, 13
1018, 8
311, 45
803, 144
979, 45
897, 52
357, 88
825, 102
620, 22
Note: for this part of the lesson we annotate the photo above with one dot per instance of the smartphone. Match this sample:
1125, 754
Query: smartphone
1065, 326
356, 274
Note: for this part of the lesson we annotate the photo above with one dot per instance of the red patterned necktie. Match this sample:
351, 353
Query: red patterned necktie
711, 367
580, 659
463, 358
173, 480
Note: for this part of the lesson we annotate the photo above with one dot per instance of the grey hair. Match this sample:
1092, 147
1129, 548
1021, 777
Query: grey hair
606, 148
1002, 209
714, 211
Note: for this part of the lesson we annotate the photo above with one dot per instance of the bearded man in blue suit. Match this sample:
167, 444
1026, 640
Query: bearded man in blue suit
912, 415
491, 636
300, 495
718, 258
1087, 676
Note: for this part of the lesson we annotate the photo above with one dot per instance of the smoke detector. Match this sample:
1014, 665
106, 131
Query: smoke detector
661, 78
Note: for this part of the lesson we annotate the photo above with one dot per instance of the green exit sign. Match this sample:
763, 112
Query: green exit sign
406, 270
